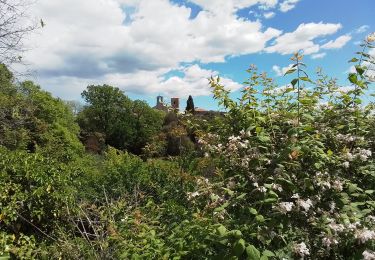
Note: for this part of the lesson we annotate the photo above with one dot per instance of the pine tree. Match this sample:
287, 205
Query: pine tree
190, 105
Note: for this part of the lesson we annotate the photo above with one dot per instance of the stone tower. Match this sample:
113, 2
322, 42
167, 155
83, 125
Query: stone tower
159, 103
175, 103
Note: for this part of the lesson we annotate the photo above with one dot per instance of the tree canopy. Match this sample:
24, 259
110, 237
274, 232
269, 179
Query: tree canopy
126, 124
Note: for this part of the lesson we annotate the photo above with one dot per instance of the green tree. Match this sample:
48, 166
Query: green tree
190, 105
126, 124
31, 118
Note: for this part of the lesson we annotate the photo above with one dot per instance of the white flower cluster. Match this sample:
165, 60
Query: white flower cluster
192, 195
370, 218
277, 187
338, 228
346, 164
329, 241
337, 185
364, 235
368, 255
304, 204
361, 154
285, 207
364, 154
236, 149
301, 249
349, 138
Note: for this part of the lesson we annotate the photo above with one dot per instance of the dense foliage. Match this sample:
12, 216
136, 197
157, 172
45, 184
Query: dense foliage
125, 124
285, 173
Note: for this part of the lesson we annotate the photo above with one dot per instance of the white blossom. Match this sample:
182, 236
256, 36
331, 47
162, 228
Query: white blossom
285, 207
364, 154
337, 185
332, 206
192, 195
277, 187
349, 156
364, 235
327, 242
295, 196
368, 255
345, 164
305, 204
301, 249
371, 218
353, 226
262, 189
336, 227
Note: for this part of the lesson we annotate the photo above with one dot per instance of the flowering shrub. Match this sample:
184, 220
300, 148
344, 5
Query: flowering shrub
295, 165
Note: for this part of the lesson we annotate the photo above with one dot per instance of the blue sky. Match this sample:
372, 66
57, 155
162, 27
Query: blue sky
152, 47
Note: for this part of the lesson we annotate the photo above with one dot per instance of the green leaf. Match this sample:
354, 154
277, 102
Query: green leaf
222, 207
221, 230
268, 253
234, 233
294, 82
289, 71
353, 60
259, 218
359, 69
241, 196
264, 138
5, 257
305, 79
252, 253
353, 78
239, 247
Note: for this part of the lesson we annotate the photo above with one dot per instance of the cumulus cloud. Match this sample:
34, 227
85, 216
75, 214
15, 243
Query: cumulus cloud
194, 81
318, 55
134, 44
269, 15
338, 43
229, 6
86, 40
303, 38
288, 5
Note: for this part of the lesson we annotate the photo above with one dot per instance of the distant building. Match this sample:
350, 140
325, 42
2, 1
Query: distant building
160, 105
175, 105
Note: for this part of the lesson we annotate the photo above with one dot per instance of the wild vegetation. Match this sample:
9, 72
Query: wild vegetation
285, 173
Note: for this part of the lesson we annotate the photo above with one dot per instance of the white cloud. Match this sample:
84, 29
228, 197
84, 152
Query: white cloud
303, 38
338, 43
362, 29
288, 5
281, 71
89, 41
269, 15
96, 42
193, 82
318, 55
230, 6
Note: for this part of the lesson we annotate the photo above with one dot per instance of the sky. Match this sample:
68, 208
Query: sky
170, 48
